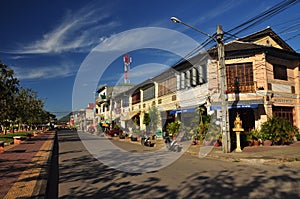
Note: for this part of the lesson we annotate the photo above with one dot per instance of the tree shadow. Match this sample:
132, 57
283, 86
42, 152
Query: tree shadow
83, 176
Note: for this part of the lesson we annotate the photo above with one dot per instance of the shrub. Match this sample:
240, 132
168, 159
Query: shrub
278, 130
172, 128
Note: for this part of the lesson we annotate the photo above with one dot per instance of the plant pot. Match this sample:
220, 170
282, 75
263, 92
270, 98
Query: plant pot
255, 143
216, 144
207, 142
250, 143
268, 142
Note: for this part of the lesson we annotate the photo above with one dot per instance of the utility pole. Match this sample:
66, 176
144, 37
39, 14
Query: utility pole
226, 144
225, 116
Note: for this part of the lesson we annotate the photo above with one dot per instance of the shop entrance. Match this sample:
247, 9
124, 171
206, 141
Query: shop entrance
248, 118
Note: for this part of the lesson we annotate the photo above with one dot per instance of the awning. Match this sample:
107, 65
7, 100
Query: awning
105, 125
239, 104
189, 110
212, 108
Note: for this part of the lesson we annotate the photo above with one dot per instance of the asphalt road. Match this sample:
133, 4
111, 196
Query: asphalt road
77, 174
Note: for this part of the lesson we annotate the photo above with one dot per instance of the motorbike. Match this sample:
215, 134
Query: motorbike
146, 141
172, 145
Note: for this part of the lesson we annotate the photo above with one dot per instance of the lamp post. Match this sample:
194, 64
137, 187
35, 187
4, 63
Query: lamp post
221, 57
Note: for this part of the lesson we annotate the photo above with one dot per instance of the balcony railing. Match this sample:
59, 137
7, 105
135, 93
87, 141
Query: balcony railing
101, 100
247, 87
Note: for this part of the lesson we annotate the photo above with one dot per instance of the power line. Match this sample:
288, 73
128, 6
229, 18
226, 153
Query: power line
274, 10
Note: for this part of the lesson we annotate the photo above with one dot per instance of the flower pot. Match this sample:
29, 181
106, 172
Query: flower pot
255, 143
216, 144
207, 142
268, 142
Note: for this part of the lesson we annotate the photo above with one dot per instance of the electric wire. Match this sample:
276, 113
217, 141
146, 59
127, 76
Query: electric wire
254, 21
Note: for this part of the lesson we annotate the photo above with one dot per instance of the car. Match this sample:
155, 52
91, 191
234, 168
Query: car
114, 132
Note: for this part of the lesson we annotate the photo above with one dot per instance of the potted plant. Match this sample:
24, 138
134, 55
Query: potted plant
172, 128
267, 142
253, 137
278, 130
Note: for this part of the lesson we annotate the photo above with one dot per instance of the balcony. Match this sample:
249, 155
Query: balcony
100, 100
246, 87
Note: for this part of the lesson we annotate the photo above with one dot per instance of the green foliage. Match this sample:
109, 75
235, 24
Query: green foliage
203, 123
18, 105
202, 131
172, 128
151, 119
254, 134
147, 119
9, 137
298, 137
278, 130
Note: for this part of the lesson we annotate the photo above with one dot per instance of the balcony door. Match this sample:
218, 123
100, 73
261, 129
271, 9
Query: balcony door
240, 78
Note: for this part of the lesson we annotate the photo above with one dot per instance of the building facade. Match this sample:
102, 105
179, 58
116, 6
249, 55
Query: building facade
262, 81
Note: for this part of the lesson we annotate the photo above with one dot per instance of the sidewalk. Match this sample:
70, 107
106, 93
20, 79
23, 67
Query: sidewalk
287, 154
23, 167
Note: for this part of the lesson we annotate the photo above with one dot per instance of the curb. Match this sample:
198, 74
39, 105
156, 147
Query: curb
40, 189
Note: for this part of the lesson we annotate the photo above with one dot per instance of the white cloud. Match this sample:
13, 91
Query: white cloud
43, 72
147, 37
78, 31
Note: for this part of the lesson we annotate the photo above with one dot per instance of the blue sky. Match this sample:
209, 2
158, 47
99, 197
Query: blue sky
46, 42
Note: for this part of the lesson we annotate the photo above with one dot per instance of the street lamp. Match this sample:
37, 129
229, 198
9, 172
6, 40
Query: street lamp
221, 57
176, 20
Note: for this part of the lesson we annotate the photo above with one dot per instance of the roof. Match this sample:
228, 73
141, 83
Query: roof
265, 40
265, 33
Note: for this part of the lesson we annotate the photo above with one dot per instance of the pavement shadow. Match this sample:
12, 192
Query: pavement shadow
264, 183
83, 176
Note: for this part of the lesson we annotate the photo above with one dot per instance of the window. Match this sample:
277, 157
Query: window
280, 72
269, 86
136, 98
293, 89
173, 97
166, 87
283, 112
194, 78
125, 102
149, 93
191, 78
159, 101
240, 78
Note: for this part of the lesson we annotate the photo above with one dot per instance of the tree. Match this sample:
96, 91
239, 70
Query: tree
154, 117
19, 105
146, 121
8, 92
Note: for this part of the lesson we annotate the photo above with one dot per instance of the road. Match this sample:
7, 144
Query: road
79, 175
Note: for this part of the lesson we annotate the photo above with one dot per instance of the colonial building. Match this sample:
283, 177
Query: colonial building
262, 79
108, 107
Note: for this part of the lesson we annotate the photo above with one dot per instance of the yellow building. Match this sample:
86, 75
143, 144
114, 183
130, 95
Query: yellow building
262, 79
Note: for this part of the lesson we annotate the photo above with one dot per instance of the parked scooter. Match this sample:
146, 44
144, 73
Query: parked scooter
146, 141
172, 145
